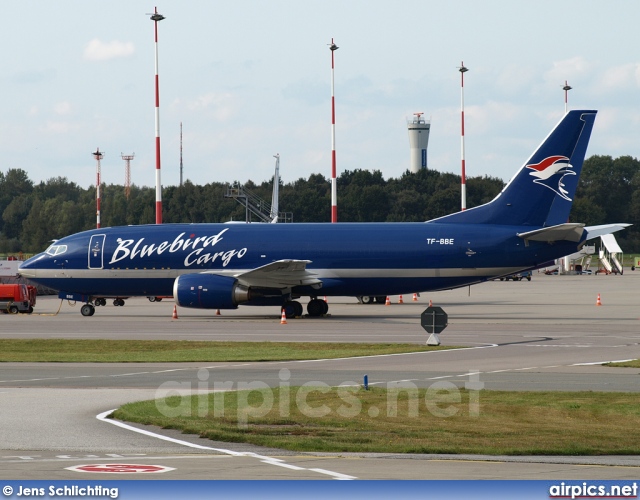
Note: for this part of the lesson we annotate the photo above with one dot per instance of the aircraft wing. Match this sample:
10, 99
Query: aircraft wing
566, 232
279, 274
595, 231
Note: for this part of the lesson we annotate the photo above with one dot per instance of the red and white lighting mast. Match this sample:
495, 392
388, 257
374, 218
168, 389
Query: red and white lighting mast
334, 189
98, 156
566, 89
155, 17
463, 176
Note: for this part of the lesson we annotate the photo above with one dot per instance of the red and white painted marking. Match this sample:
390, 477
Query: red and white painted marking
121, 468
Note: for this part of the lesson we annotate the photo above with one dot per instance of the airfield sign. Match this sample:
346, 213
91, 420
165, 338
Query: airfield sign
433, 319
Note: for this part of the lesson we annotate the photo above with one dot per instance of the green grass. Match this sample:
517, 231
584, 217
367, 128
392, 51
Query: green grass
160, 351
454, 421
635, 363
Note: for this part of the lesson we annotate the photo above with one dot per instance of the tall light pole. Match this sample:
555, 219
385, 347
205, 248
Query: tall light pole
463, 177
334, 188
566, 89
98, 155
155, 17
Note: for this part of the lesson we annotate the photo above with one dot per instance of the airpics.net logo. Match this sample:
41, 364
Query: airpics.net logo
440, 399
587, 490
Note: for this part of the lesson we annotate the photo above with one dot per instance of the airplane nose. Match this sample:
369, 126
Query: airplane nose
28, 269
24, 270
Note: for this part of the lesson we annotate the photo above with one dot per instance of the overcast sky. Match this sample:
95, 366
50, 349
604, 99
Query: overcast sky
249, 79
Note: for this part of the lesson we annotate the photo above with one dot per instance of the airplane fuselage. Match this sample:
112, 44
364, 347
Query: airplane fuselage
349, 258
219, 266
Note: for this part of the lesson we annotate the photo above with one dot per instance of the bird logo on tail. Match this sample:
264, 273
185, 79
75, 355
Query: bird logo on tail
550, 172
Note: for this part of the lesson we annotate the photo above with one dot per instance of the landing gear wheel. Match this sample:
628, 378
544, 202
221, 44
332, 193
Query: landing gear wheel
118, 302
366, 299
292, 308
151, 299
87, 310
317, 307
100, 302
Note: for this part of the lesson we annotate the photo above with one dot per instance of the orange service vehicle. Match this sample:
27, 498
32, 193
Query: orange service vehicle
17, 298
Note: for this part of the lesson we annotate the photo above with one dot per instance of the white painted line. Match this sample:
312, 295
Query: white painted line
30, 380
285, 465
394, 354
336, 475
263, 458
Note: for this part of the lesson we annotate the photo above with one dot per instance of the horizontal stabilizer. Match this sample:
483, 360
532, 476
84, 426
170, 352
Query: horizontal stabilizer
279, 274
561, 232
595, 231
610, 243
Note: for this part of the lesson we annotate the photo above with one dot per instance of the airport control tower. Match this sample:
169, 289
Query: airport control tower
418, 140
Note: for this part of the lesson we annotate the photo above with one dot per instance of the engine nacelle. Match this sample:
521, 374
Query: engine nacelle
209, 291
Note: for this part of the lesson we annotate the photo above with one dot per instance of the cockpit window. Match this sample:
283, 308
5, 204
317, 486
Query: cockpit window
56, 250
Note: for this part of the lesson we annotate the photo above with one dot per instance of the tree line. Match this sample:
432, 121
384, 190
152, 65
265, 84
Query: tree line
34, 214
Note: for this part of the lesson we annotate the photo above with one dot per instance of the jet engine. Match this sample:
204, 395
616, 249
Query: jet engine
209, 291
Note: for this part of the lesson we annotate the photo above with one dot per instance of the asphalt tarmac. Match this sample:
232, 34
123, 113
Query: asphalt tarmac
547, 334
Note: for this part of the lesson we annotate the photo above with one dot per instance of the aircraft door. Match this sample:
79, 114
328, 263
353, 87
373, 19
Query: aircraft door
96, 250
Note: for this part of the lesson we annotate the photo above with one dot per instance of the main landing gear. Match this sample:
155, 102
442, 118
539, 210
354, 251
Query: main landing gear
315, 307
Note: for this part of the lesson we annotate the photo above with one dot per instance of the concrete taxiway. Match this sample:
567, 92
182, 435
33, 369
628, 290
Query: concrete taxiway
547, 334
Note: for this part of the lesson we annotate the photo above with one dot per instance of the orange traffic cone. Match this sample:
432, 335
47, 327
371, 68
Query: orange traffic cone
598, 301
325, 298
430, 303
175, 313
283, 319
387, 302
400, 301
217, 312
415, 297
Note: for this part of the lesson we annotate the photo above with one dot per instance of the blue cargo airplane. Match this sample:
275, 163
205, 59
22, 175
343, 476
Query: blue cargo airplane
220, 266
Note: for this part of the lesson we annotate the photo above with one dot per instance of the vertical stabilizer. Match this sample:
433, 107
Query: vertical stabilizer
541, 192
